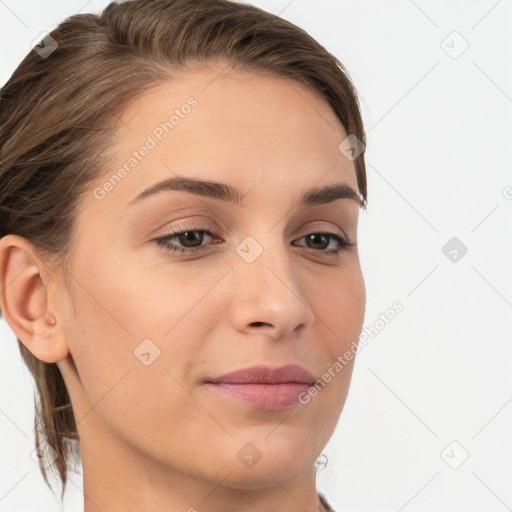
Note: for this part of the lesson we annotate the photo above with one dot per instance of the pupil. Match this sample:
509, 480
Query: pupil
314, 236
191, 236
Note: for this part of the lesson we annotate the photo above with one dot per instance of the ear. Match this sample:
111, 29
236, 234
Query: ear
24, 300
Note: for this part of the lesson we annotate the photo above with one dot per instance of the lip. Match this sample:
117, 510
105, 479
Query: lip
265, 387
263, 374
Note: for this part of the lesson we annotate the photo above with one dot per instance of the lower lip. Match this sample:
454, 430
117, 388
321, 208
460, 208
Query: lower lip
264, 396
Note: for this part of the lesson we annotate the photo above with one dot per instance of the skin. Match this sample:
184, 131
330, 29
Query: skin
154, 437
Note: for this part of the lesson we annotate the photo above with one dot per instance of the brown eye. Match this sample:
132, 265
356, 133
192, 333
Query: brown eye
318, 242
188, 240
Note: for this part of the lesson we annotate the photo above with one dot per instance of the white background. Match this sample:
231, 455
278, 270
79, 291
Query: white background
438, 158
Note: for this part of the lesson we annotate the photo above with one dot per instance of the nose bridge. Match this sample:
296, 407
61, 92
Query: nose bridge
266, 260
267, 289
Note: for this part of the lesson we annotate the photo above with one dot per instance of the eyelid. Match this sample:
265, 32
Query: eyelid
186, 225
319, 227
211, 227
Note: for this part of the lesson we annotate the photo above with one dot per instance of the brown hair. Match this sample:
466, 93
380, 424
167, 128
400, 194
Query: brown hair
57, 114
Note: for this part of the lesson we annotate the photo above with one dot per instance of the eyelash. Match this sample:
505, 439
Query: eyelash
343, 243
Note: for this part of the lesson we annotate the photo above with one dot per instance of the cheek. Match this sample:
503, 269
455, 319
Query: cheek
125, 395
339, 302
126, 316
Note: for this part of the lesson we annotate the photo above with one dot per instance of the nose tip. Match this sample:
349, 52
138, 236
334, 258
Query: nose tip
267, 288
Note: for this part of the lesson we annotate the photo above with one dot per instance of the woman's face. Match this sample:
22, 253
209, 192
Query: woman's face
146, 327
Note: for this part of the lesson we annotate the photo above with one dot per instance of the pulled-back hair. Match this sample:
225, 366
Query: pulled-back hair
57, 116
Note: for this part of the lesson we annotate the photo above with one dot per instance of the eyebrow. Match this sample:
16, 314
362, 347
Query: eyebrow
228, 193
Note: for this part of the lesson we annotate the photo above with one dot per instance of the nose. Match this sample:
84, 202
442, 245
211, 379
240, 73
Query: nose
268, 295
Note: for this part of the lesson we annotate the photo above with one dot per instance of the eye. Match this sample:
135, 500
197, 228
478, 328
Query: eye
191, 240
324, 239
190, 237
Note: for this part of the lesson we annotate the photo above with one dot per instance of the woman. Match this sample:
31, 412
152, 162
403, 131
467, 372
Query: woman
180, 190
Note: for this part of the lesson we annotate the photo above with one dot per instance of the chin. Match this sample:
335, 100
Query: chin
272, 473
264, 462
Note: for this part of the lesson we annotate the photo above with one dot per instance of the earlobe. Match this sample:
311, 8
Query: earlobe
24, 300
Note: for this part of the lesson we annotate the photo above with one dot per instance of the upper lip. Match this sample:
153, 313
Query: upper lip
263, 374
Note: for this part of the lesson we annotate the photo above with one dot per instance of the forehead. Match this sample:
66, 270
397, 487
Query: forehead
253, 130
238, 95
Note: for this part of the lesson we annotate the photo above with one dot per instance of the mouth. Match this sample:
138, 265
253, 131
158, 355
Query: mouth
265, 387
